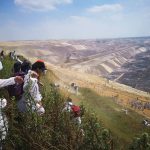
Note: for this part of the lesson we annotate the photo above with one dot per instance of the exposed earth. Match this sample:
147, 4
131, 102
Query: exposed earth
125, 60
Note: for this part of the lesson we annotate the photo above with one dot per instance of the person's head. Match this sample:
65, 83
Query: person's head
25, 66
17, 67
39, 67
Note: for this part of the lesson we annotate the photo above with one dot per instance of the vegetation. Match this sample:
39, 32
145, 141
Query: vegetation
141, 143
54, 129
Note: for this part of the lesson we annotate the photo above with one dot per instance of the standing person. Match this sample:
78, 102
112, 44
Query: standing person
1, 65
31, 99
2, 54
13, 55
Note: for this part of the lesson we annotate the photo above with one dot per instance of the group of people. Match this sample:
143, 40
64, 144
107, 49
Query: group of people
28, 93
24, 85
25, 78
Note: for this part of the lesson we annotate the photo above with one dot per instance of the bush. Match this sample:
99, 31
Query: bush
141, 143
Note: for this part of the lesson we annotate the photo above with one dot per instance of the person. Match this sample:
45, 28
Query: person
3, 103
2, 54
67, 105
10, 81
146, 122
74, 111
1, 65
18, 60
25, 66
31, 99
13, 55
75, 114
16, 68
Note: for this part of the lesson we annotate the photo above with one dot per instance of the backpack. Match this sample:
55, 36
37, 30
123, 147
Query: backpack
76, 110
16, 89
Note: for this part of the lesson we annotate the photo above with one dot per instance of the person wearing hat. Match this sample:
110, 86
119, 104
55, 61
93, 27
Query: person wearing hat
31, 99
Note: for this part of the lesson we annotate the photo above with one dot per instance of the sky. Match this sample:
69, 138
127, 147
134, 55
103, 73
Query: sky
73, 19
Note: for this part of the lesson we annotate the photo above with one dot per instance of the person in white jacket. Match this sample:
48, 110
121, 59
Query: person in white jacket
31, 99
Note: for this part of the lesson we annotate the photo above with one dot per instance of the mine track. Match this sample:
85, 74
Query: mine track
102, 56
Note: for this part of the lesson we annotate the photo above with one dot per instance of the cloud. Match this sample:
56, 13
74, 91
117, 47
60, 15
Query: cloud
105, 8
41, 5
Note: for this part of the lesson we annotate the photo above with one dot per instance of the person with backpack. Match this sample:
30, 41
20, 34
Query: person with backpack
16, 90
74, 110
31, 99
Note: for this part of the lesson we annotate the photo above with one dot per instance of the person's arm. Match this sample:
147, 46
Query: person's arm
10, 81
6, 82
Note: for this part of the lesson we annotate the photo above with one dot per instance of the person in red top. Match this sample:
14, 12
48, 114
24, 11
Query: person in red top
74, 111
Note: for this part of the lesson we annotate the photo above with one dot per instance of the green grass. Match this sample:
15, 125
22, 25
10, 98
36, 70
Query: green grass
123, 127
8, 63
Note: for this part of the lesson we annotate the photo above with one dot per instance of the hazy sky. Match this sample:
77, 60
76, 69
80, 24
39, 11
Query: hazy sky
73, 19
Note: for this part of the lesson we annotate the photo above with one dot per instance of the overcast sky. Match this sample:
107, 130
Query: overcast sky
73, 19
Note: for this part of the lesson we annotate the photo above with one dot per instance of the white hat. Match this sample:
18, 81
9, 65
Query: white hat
3, 103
